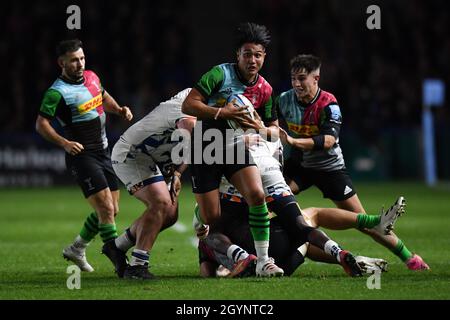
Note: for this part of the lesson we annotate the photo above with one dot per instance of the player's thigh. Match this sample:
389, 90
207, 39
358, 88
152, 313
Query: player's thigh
138, 171
311, 216
155, 195
248, 182
351, 204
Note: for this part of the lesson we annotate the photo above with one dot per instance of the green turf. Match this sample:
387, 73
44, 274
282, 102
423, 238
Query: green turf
36, 224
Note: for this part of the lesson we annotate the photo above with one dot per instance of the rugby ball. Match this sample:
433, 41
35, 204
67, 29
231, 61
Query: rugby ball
239, 100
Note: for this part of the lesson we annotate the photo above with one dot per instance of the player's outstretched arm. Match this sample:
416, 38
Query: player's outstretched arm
320, 142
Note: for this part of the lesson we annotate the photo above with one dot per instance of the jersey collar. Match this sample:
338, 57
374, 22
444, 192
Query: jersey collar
241, 79
80, 81
304, 105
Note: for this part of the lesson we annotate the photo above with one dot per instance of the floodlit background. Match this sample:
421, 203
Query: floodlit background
146, 51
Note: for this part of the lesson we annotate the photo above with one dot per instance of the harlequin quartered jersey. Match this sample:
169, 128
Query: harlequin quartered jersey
321, 116
78, 106
223, 80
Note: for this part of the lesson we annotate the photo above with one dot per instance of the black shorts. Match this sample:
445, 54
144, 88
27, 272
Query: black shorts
336, 185
206, 174
92, 171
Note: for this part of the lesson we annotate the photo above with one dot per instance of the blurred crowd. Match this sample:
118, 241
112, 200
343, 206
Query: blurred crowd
143, 52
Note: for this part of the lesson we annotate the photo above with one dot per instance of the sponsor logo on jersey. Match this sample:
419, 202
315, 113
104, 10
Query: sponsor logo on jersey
304, 130
91, 104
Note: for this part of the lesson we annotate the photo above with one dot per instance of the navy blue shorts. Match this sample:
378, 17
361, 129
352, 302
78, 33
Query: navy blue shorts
92, 171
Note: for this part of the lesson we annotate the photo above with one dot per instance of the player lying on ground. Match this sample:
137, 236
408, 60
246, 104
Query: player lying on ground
229, 246
283, 203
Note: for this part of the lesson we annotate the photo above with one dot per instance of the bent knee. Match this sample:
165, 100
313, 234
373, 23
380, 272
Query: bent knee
256, 197
107, 209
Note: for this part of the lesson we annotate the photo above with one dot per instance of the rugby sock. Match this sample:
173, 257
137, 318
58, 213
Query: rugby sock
125, 241
292, 263
291, 219
107, 231
139, 257
80, 244
402, 251
367, 221
333, 249
260, 228
236, 253
90, 227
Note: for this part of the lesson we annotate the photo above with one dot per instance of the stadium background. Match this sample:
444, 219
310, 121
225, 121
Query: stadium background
146, 51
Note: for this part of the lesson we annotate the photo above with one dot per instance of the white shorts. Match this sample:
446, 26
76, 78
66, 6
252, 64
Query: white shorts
271, 176
134, 168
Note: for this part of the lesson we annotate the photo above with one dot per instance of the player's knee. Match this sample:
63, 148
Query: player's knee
170, 217
106, 209
256, 197
294, 187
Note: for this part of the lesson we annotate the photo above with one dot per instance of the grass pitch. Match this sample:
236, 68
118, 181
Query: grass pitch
35, 225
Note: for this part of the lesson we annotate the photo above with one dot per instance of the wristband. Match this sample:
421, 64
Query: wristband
217, 114
319, 142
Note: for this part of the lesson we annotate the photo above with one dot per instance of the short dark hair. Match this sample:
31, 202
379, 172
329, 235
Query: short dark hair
68, 46
308, 62
249, 32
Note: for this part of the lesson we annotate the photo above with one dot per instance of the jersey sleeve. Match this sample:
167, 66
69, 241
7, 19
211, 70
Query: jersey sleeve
210, 82
269, 112
50, 103
332, 120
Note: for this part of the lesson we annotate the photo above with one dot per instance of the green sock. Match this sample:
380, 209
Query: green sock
259, 222
90, 227
402, 251
367, 221
107, 231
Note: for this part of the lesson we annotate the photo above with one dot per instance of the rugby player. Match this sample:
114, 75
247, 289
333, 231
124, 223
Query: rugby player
313, 121
207, 102
233, 225
142, 160
78, 101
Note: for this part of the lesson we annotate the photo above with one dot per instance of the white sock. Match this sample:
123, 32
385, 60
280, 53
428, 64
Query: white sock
262, 250
139, 257
333, 249
80, 244
236, 253
123, 242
